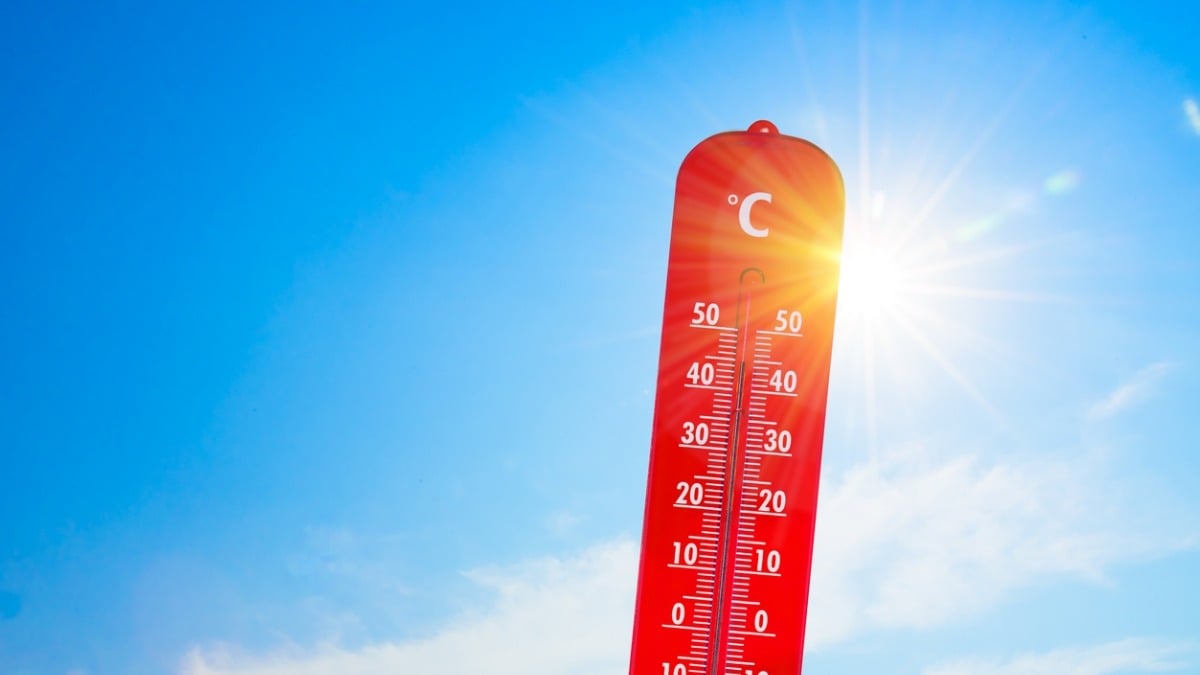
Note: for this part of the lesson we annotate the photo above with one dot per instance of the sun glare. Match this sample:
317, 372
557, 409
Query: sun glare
870, 281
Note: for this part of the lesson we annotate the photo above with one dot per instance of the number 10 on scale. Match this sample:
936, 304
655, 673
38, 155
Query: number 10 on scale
739, 409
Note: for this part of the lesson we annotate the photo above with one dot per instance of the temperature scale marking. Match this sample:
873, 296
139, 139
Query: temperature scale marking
740, 408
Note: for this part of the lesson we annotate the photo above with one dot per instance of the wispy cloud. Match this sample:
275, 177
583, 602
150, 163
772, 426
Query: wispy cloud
552, 616
912, 541
1135, 655
1192, 110
906, 541
1130, 392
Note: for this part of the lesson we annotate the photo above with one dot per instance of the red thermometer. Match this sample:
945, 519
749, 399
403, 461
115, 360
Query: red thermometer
739, 414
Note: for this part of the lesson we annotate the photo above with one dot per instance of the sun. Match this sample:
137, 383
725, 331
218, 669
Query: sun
900, 314
871, 280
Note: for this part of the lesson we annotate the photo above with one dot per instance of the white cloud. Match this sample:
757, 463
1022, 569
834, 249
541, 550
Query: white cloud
1130, 392
1135, 655
905, 541
560, 617
1192, 110
911, 541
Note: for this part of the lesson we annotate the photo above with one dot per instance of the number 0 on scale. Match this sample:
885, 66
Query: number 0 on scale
739, 413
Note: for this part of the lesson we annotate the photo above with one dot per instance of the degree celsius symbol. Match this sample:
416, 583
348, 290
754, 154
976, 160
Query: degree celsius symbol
739, 411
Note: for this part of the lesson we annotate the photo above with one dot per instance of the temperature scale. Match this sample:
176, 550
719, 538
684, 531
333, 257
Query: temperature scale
739, 412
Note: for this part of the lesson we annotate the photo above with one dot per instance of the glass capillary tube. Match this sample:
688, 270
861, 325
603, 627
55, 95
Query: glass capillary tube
750, 278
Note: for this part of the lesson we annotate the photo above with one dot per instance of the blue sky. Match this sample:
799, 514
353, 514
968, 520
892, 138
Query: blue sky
329, 334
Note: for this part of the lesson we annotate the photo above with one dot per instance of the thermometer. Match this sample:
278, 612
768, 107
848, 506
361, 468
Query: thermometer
739, 411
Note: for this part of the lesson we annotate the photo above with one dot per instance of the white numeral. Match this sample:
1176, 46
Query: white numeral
675, 669
678, 613
687, 554
694, 433
777, 441
689, 493
781, 380
705, 314
773, 501
766, 561
705, 373
790, 322
760, 621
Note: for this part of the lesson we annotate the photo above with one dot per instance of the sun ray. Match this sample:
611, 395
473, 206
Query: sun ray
886, 290
864, 112
869, 384
798, 47
957, 291
986, 256
652, 170
994, 124
947, 366
625, 123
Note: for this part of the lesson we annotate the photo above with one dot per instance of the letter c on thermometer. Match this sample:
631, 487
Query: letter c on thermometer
744, 213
